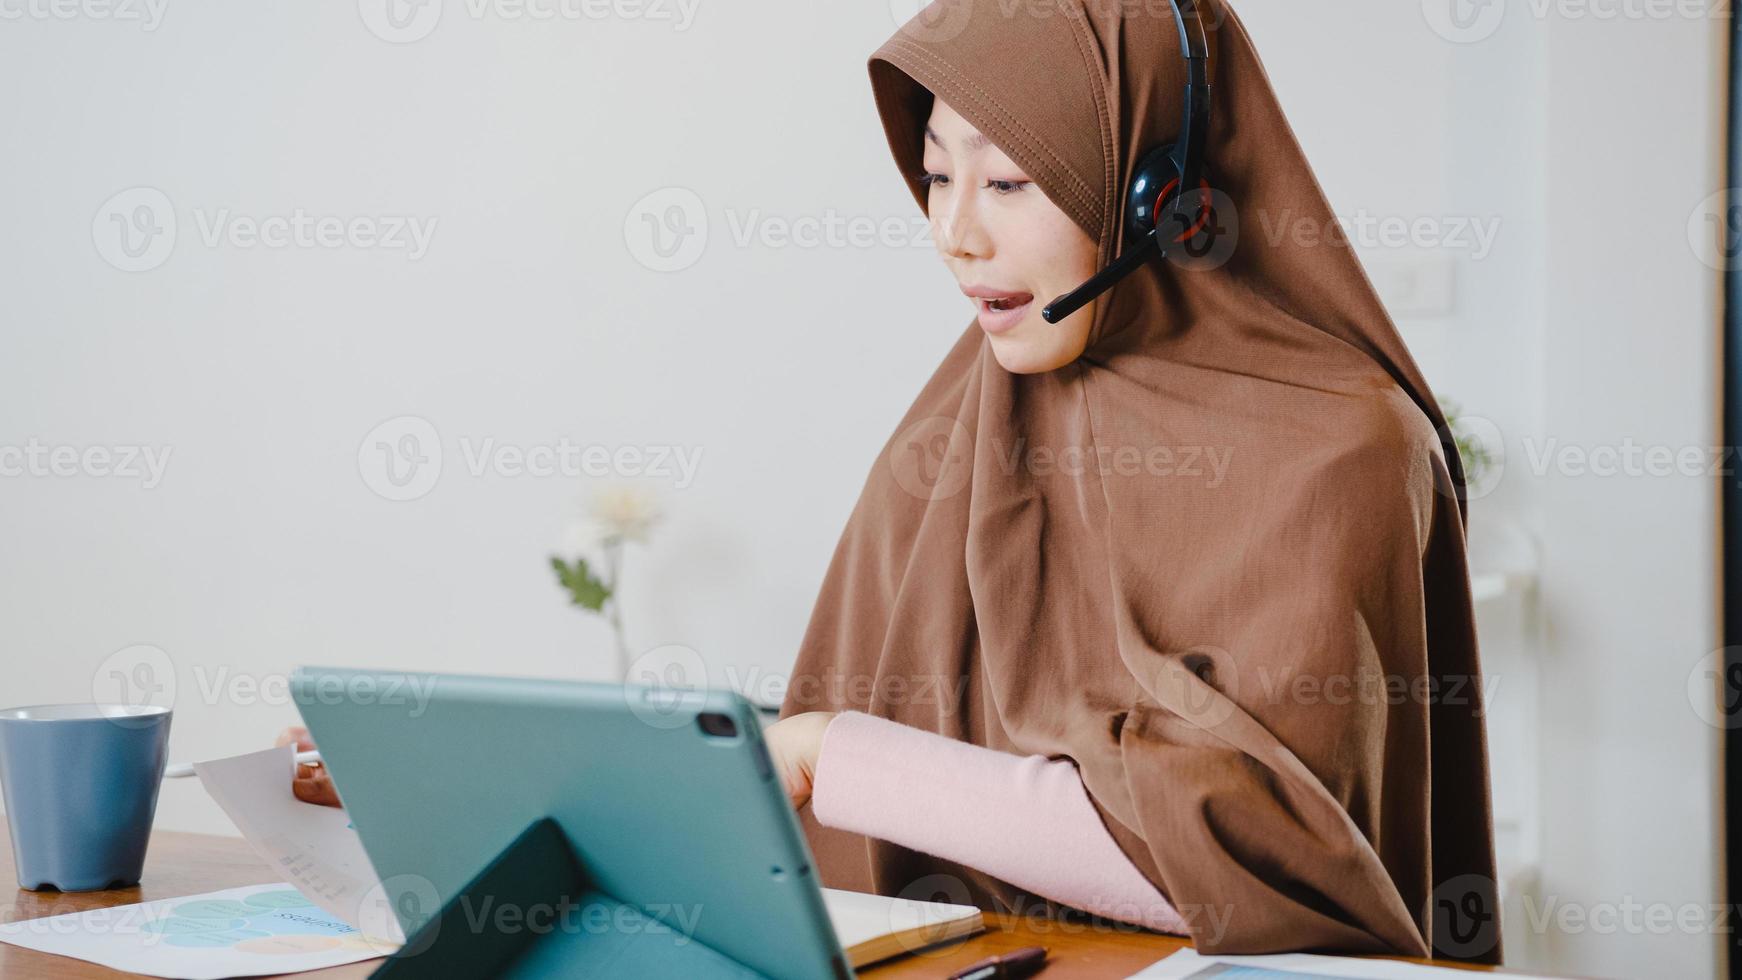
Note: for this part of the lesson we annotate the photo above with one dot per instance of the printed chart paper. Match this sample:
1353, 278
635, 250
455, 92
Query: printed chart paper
250, 931
313, 847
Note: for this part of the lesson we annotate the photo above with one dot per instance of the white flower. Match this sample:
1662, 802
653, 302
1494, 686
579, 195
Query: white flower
625, 511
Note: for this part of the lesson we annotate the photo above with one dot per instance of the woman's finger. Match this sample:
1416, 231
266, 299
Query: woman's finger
295, 735
319, 790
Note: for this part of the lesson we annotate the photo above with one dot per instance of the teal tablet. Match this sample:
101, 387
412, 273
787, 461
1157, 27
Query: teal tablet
541, 828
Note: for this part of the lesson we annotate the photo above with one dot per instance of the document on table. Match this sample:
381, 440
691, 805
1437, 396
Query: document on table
255, 930
1188, 964
312, 847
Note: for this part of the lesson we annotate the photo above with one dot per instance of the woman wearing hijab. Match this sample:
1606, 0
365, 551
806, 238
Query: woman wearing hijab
1161, 612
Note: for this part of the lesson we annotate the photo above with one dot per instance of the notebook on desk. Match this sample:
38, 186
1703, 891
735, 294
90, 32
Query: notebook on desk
873, 928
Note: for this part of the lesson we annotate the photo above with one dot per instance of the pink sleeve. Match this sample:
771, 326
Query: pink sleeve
1024, 820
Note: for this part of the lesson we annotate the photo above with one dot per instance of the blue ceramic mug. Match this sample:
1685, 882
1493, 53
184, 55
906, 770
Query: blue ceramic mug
81, 786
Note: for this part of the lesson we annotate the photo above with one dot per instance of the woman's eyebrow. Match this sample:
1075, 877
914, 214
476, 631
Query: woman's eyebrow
978, 141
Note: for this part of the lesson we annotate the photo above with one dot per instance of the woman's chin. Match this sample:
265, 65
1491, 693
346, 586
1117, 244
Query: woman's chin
1021, 355
1039, 347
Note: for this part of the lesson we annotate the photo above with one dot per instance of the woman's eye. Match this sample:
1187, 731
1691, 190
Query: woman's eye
929, 178
1007, 186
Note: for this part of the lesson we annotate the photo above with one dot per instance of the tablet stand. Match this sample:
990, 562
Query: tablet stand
534, 911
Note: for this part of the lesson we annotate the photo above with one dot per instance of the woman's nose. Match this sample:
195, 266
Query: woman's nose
957, 229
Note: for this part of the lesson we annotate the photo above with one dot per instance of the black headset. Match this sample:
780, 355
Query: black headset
1156, 214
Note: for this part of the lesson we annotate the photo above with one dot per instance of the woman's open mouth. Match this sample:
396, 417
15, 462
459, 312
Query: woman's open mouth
1000, 310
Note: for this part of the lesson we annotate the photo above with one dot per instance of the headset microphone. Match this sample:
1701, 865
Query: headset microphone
1156, 215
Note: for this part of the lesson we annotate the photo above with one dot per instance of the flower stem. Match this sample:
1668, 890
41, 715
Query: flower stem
613, 571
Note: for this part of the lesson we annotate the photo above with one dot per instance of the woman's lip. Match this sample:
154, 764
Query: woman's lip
998, 321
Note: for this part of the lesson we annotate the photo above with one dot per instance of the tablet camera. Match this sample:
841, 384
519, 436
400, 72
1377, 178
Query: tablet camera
717, 725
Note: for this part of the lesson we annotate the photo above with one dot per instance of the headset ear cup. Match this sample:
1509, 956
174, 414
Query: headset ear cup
1158, 171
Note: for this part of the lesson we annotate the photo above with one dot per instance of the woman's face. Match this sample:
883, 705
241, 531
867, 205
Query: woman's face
1011, 249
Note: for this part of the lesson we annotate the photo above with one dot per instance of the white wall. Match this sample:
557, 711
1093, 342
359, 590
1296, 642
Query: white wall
530, 320
1629, 574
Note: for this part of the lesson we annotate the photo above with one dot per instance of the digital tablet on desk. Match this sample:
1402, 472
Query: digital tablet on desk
547, 828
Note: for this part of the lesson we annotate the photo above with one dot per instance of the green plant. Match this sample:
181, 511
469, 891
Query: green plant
1475, 454
617, 516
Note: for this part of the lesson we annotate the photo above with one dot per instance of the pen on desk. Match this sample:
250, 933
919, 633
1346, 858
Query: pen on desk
1010, 966
182, 770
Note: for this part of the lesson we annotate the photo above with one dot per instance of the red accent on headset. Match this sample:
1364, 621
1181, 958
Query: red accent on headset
1203, 213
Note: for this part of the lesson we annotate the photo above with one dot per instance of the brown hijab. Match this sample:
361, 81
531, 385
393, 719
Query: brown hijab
1218, 562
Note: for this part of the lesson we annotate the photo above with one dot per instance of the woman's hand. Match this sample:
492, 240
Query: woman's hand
311, 784
794, 744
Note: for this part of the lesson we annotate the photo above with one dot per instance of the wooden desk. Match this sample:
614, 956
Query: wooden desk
188, 864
